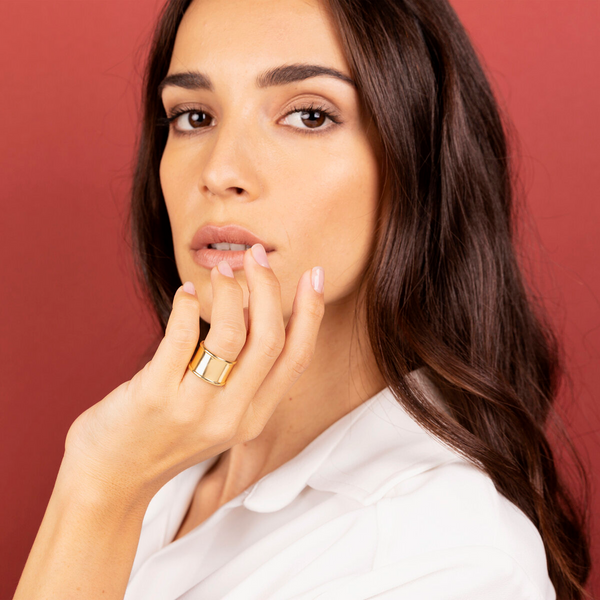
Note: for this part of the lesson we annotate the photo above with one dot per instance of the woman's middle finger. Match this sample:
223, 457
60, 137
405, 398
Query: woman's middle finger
227, 334
266, 335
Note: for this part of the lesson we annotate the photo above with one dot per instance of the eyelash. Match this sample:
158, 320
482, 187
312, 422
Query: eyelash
312, 107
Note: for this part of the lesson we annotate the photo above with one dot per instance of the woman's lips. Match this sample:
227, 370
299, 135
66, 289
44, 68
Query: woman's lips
209, 257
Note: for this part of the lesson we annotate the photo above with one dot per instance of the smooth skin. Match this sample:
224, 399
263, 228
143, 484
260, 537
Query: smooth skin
300, 368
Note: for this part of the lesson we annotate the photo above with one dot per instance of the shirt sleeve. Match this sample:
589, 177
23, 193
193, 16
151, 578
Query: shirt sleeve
464, 573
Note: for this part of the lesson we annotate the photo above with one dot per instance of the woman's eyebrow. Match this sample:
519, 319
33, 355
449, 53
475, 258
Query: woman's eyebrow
282, 75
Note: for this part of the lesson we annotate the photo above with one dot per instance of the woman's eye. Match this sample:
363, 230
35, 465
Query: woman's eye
190, 119
310, 117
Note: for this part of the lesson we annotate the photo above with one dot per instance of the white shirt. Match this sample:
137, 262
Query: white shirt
375, 507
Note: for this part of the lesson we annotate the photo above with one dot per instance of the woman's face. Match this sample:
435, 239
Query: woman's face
253, 156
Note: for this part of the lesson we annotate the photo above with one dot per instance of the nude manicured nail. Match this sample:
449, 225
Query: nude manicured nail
188, 287
318, 279
225, 268
260, 256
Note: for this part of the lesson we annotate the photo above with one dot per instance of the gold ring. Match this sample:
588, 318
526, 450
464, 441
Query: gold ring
209, 366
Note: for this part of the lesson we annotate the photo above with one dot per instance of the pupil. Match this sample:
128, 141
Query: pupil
315, 112
194, 117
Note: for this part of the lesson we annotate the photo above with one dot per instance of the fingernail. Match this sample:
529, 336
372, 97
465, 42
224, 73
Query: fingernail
188, 287
260, 256
225, 268
318, 279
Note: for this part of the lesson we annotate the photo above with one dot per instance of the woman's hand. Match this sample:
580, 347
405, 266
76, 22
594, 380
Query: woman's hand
166, 419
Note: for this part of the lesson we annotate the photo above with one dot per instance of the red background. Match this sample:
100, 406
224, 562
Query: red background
73, 327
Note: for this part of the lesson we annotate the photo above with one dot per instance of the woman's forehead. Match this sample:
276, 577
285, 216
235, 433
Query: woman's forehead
243, 37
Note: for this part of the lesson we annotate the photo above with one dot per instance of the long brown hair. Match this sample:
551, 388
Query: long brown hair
446, 292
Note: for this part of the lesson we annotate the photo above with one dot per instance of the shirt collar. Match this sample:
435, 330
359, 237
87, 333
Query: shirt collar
362, 455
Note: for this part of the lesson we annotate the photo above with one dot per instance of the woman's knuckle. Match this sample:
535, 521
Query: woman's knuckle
272, 283
230, 335
252, 430
228, 431
316, 310
271, 344
189, 303
182, 339
301, 358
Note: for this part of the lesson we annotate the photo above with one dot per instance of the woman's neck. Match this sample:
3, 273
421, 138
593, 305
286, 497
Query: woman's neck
338, 380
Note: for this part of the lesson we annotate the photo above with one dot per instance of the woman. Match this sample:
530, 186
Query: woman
378, 437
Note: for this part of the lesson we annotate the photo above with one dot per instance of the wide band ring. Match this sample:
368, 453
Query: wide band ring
209, 366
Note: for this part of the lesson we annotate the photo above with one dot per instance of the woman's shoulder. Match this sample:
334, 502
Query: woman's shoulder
452, 518
436, 513
444, 533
